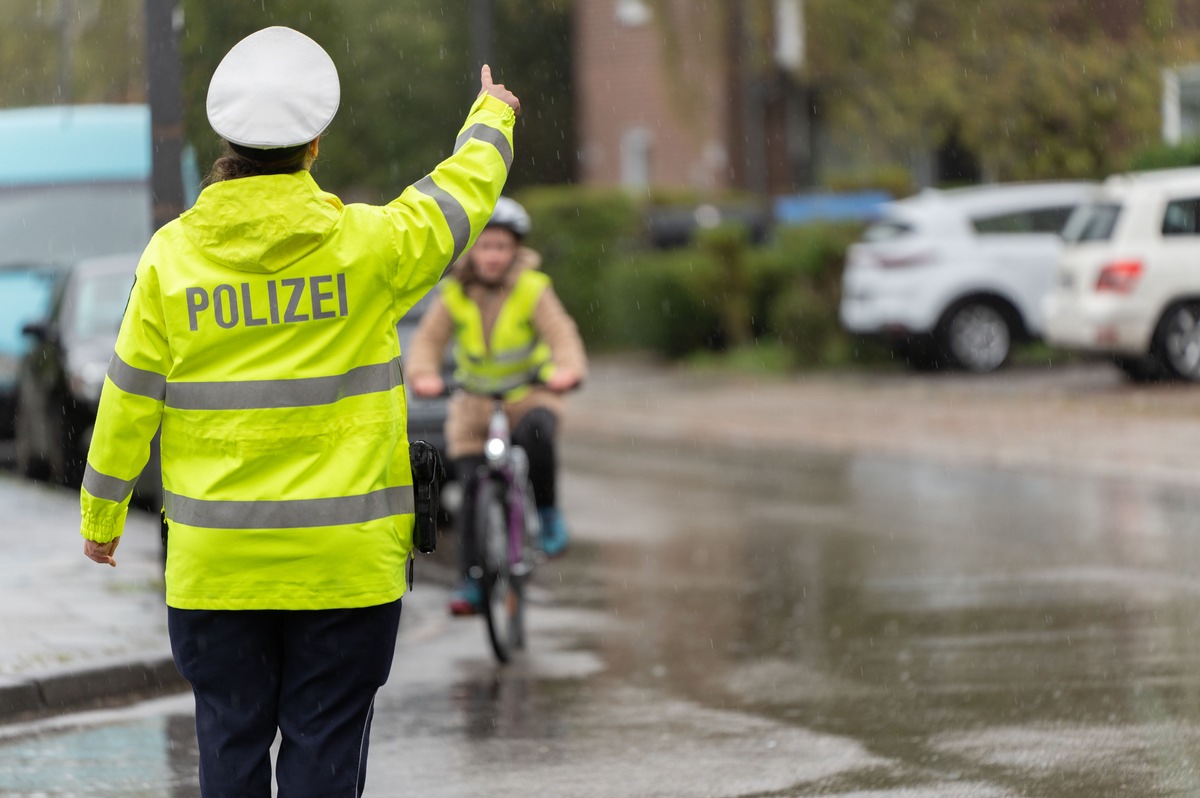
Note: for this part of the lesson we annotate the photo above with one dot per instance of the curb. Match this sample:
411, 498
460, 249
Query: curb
25, 698
106, 686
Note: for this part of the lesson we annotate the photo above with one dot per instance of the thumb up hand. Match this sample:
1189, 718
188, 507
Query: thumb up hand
497, 90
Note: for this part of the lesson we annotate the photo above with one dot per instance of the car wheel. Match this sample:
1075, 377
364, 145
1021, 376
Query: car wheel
1178, 341
30, 461
977, 335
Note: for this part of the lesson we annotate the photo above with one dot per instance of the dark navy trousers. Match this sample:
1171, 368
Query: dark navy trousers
311, 674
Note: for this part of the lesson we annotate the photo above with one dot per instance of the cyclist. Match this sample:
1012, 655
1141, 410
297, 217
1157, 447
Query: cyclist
509, 330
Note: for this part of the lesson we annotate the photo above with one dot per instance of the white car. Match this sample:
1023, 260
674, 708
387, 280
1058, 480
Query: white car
954, 278
1129, 276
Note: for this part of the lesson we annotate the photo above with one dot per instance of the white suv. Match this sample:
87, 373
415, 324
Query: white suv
954, 278
1129, 276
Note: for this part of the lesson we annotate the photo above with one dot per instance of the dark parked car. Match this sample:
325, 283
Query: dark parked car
60, 378
426, 417
25, 290
61, 375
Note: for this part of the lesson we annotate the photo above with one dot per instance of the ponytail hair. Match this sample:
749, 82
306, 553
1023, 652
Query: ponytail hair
238, 161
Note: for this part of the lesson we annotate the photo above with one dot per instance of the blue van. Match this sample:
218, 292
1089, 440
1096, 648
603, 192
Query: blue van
74, 184
75, 181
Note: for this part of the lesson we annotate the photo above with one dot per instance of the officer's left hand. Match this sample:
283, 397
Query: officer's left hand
562, 380
497, 90
102, 552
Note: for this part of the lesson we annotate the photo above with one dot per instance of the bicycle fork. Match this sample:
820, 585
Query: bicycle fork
521, 522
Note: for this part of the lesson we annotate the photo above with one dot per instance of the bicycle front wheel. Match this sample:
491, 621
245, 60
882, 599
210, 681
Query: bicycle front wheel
503, 590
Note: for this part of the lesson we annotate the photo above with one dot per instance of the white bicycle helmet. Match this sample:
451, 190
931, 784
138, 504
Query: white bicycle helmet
511, 216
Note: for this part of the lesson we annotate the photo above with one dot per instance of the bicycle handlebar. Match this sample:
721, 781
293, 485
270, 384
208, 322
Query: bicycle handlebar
450, 385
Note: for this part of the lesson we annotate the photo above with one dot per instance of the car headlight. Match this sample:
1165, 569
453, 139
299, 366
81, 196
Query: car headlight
86, 380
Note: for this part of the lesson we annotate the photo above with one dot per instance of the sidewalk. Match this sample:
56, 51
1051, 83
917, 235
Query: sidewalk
78, 634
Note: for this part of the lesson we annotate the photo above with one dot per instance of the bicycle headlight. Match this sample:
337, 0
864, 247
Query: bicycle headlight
495, 450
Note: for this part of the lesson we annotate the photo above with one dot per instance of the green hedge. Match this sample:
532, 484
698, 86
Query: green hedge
1167, 156
806, 289
775, 304
580, 234
664, 302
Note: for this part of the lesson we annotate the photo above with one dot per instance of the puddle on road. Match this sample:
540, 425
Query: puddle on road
130, 756
936, 614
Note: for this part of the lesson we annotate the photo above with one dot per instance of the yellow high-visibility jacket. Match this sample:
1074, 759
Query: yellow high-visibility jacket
515, 355
261, 332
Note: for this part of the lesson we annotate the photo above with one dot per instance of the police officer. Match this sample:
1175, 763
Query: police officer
261, 334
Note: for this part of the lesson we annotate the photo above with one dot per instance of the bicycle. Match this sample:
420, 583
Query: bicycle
507, 530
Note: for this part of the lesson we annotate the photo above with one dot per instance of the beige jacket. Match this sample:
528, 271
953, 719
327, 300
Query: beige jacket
466, 425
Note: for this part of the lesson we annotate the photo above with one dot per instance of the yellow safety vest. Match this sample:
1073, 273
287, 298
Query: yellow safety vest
515, 355
261, 333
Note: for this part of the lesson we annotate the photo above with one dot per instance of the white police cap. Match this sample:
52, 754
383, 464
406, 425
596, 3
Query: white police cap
275, 88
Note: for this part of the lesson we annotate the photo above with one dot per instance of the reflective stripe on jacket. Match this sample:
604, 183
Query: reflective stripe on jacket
515, 355
261, 332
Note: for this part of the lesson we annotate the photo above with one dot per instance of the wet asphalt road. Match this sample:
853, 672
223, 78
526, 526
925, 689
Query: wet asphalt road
801, 626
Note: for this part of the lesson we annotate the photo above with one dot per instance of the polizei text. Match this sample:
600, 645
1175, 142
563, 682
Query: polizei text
284, 301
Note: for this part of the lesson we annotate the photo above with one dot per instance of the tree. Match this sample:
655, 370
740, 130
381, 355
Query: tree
406, 83
533, 51
405, 65
62, 51
1033, 89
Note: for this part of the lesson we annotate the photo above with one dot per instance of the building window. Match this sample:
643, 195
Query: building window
633, 13
636, 146
1041, 220
1181, 104
789, 34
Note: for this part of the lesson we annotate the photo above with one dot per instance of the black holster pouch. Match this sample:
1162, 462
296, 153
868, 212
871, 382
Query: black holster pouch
428, 474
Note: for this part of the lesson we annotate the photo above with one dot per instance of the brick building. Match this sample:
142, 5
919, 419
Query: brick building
688, 101
708, 95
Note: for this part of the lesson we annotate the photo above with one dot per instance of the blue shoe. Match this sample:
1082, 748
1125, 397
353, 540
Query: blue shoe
554, 537
466, 599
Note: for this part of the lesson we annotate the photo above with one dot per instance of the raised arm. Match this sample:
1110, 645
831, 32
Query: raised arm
438, 217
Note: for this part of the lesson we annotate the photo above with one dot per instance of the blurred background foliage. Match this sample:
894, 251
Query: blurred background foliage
407, 81
770, 307
64, 51
1167, 156
1035, 90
